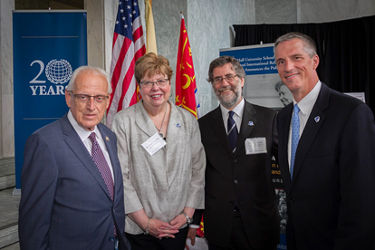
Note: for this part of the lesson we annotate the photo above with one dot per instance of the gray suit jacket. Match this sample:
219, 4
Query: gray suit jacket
65, 203
171, 179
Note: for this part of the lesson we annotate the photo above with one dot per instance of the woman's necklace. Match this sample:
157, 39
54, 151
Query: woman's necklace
162, 122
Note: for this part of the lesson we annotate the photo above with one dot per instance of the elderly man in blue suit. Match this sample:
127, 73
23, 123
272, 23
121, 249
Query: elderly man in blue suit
72, 189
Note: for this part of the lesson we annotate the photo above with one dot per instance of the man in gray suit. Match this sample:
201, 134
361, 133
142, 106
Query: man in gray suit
72, 189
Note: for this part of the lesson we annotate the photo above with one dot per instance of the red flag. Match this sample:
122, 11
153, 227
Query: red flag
186, 87
128, 45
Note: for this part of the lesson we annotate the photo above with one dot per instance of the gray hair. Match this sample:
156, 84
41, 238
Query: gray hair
309, 44
222, 60
81, 69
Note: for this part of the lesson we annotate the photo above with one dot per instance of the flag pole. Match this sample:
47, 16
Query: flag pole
150, 29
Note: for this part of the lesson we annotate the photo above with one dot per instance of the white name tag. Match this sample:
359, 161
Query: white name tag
154, 144
255, 145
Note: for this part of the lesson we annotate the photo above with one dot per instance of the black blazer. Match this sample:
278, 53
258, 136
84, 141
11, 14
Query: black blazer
330, 200
244, 180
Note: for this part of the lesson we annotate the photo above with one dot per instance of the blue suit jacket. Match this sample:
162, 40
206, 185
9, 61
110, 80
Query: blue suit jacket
65, 203
330, 199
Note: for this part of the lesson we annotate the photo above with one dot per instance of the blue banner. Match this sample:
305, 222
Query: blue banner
47, 47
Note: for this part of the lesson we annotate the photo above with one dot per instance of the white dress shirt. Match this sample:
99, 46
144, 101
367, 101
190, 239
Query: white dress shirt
305, 105
84, 135
237, 116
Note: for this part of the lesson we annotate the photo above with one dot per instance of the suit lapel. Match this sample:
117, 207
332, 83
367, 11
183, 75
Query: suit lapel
111, 148
78, 148
143, 121
220, 129
314, 123
247, 125
284, 117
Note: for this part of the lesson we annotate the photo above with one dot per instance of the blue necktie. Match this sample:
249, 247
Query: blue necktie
295, 137
232, 132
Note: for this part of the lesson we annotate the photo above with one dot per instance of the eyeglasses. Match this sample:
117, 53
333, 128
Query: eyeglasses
160, 83
228, 77
83, 98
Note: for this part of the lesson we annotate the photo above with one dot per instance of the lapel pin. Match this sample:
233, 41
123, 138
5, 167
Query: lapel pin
251, 123
178, 125
317, 119
106, 138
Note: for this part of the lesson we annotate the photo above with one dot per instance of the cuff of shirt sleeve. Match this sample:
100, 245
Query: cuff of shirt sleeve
193, 226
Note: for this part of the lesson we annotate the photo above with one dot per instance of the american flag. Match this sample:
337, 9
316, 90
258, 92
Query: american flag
128, 45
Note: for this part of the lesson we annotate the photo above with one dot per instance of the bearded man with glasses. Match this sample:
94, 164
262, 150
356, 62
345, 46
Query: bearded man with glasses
239, 140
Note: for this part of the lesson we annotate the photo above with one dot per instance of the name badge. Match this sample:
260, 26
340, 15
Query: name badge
255, 145
154, 144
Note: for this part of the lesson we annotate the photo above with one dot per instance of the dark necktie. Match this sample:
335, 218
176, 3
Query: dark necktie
99, 159
295, 137
232, 132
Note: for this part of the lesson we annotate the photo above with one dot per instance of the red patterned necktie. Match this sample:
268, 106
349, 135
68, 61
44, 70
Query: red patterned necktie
99, 159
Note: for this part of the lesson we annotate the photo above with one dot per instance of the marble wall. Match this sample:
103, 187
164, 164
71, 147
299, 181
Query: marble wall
320, 11
209, 29
307, 11
95, 33
276, 11
6, 79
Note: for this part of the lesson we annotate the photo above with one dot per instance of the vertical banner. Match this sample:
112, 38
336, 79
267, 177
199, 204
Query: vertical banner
264, 87
186, 87
47, 47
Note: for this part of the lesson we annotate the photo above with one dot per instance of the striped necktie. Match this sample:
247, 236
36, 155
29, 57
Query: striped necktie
232, 132
99, 159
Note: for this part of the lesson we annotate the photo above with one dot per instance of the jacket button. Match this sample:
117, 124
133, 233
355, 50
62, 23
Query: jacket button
235, 181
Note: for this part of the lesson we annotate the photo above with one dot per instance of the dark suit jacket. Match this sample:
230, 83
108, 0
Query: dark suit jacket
65, 203
244, 180
331, 199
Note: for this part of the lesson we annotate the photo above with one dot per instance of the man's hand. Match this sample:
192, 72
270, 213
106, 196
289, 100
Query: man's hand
192, 232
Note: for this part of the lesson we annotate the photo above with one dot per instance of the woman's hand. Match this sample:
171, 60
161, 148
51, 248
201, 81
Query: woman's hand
160, 229
154, 227
178, 221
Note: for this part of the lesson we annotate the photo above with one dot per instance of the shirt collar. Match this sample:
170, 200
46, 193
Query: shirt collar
238, 110
306, 104
82, 133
